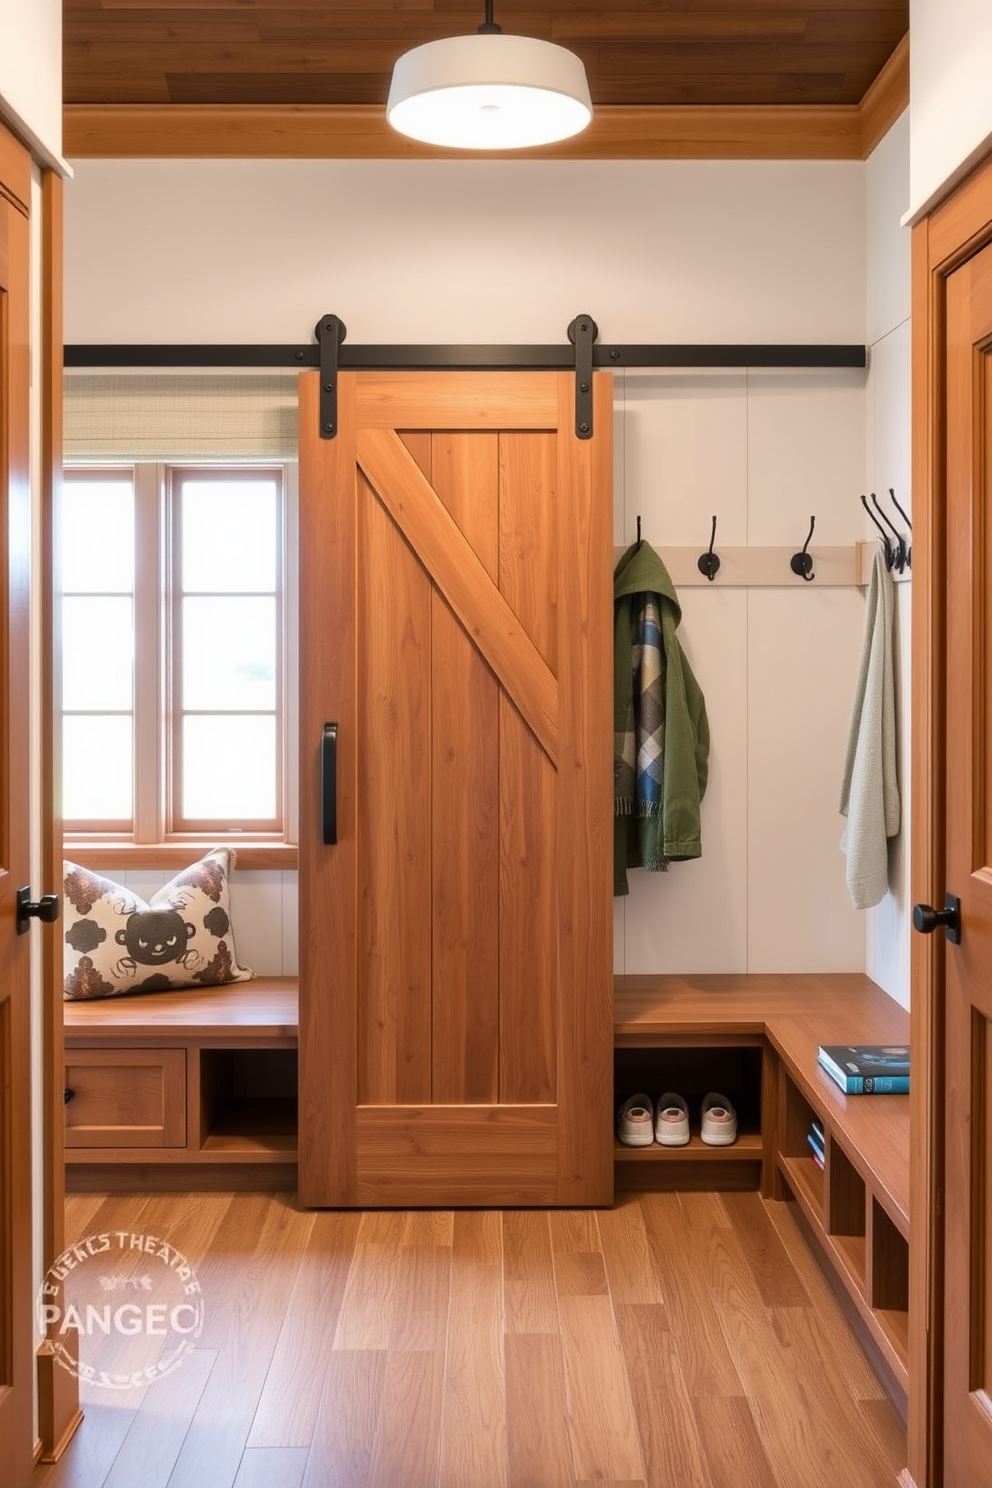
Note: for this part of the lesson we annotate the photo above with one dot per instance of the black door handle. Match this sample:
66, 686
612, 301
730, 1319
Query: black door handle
329, 784
926, 919
46, 909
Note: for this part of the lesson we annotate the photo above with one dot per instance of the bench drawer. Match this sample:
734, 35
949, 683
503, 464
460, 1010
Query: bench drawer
125, 1098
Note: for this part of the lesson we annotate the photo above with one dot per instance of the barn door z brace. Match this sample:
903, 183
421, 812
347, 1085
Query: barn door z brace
583, 356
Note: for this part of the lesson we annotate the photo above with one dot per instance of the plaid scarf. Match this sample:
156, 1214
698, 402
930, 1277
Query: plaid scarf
639, 750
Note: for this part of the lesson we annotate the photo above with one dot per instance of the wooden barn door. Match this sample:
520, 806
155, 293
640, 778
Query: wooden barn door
455, 942
968, 1029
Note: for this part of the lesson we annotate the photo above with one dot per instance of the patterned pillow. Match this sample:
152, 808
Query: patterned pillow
115, 942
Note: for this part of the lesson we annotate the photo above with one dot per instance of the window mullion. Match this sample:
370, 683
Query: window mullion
149, 621
290, 650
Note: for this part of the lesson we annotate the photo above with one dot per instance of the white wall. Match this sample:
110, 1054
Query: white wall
31, 73
888, 465
473, 250
655, 251
763, 451
950, 66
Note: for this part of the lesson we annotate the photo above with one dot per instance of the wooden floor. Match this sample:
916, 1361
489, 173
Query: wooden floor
676, 1341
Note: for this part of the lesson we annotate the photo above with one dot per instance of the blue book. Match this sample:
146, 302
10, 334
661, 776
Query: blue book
816, 1150
857, 1079
865, 1059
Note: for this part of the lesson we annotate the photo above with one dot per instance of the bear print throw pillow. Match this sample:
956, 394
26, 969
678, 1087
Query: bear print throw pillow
115, 942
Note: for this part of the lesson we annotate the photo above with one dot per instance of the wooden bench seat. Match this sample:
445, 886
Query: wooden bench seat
261, 1008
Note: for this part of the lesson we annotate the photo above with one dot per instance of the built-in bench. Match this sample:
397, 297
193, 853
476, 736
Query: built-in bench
755, 1039
183, 1090
186, 1090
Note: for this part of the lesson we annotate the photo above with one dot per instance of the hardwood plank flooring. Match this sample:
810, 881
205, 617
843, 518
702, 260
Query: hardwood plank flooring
682, 1338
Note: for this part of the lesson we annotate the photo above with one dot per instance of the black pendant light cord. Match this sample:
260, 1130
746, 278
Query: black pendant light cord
489, 25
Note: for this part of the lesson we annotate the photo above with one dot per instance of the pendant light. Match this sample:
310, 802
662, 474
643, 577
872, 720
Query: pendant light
488, 91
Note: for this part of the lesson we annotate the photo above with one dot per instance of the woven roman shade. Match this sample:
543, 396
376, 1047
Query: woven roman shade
179, 418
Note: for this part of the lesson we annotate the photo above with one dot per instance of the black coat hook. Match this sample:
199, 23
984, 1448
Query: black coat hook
900, 551
889, 556
801, 563
638, 529
892, 497
907, 546
709, 562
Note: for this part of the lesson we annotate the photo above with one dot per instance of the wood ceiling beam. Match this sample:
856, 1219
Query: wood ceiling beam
885, 99
360, 132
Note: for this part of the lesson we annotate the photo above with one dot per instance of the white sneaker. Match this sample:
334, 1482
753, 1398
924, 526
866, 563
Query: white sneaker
719, 1125
635, 1123
671, 1124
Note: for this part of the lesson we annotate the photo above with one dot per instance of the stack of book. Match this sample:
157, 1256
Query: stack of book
815, 1140
867, 1069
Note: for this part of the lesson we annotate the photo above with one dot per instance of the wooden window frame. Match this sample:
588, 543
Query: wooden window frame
158, 837
176, 824
125, 475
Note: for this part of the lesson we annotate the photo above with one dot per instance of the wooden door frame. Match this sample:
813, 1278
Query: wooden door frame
58, 1390
16, 1228
960, 226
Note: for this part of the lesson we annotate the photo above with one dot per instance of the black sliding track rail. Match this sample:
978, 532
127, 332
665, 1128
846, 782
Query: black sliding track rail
583, 353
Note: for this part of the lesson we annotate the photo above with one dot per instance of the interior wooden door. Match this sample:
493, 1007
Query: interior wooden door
16, 1351
968, 1032
455, 942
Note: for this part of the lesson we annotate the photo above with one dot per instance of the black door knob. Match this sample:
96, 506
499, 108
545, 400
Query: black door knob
46, 909
926, 919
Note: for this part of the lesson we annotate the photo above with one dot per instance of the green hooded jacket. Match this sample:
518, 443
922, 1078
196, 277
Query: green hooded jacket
672, 832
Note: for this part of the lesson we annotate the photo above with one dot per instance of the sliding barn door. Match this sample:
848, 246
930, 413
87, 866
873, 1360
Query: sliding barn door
455, 941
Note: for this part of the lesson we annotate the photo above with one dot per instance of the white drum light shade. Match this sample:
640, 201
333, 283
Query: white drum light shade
489, 92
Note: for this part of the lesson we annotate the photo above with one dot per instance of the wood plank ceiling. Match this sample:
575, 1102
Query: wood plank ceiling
342, 51
732, 72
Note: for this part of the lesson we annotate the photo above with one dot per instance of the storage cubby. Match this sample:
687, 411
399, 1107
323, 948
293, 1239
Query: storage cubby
248, 1100
692, 1071
795, 1157
845, 1211
889, 1280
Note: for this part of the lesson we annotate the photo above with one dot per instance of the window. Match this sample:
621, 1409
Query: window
174, 648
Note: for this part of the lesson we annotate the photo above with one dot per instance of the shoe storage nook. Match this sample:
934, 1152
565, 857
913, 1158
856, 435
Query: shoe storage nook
754, 1039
